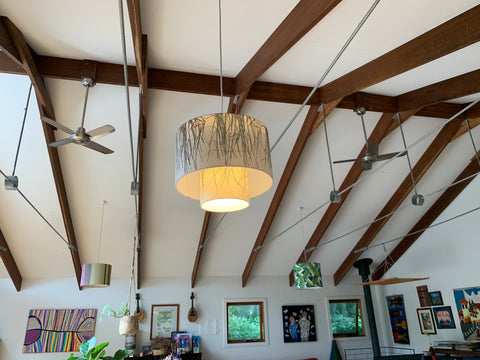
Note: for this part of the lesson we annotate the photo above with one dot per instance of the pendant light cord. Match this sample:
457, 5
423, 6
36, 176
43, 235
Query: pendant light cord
406, 152
21, 131
220, 48
101, 230
340, 53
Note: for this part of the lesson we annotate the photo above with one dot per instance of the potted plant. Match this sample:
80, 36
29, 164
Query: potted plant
128, 323
91, 352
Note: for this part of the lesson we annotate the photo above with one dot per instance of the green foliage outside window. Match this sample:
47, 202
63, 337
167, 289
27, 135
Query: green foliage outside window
245, 322
346, 318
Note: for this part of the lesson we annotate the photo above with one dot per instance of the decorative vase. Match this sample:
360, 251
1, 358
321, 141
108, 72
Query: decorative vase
128, 325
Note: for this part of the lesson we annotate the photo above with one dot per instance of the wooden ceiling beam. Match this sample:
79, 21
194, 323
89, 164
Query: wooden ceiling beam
7, 46
429, 217
455, 34
46, 109
353, 175
140, 47
201, 244
456, 87
312, 120
464, 129
69, 69
423, 164
304, 16
9, 262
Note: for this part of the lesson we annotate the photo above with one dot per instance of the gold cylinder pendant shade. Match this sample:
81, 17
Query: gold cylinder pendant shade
223, 160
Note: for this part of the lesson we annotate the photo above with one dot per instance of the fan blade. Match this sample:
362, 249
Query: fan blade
100, 148
60, 142
101, 131
57, 125
390, 155
348, 160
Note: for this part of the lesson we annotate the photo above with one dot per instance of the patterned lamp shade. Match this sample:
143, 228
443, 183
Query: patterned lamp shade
307, 276
96, 275
223, 160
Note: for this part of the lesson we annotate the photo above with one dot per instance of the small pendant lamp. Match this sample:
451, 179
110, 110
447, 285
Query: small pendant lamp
307, 275
223, 160
96, 274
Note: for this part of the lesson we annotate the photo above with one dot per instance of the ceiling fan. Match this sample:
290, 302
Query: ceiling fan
371, 153
81, 136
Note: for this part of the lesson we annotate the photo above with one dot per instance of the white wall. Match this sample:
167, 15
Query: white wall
446, 254
210, 292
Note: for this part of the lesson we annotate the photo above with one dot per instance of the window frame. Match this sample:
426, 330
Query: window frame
350, 298
263, 316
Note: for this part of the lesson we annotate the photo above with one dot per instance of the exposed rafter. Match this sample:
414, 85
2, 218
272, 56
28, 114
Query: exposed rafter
429, 217
140, 46
433, 151
312, 119
46, 109
453, 35
354, 173
201, 243
304, 16
107, 73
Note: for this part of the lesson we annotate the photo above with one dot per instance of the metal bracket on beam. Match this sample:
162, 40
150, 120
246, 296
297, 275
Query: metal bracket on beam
335, 197
3, 249
11, 182
135, 188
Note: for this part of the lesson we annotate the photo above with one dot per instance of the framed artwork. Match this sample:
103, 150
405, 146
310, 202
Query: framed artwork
298, 323
423, 297
467, 301
425, 319
436, 298
58, 330
444, 317
164, 320
398, 319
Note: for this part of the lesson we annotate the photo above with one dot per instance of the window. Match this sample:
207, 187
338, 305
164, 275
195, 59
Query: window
245, 322
346, 318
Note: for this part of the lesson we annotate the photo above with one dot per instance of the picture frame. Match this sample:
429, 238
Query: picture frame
298, 323
435, 298
426, 322
466, 303
444, 317
164, 320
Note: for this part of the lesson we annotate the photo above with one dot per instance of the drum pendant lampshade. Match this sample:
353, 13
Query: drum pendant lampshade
223, 160
96, 275
307, 275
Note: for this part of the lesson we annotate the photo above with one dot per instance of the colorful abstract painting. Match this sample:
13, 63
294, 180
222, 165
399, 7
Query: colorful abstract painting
58, 330
398, 319
468, 309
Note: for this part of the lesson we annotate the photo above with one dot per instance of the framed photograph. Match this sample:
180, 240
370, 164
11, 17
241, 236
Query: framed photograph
444, 317
164, 320
425, 319
436, 298
298, 323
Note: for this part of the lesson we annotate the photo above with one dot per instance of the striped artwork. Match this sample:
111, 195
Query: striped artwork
58, 330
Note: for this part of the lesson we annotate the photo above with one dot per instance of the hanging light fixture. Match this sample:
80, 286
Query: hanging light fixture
96, 274
307, 275
223, 159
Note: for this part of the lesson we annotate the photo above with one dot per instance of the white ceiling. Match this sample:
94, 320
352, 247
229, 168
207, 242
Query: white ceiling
183, 35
